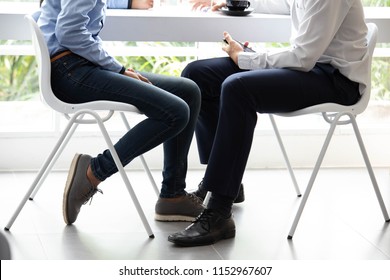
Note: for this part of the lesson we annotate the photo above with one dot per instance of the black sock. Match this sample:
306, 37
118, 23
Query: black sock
221, 204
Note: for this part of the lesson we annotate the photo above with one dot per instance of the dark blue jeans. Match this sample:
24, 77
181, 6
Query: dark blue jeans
231, 99
171, 106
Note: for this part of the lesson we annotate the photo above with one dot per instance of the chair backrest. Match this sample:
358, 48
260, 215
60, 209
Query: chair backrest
371, 43
44, 73
362, 104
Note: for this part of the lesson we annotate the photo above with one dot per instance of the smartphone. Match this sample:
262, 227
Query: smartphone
246, 49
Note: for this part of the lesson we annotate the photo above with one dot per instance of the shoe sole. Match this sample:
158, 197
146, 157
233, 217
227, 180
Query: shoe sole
173, 218
69, 182
228, 235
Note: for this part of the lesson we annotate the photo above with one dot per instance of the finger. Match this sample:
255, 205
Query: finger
216, 7
227, 37
196, 6
144, 79
226, 48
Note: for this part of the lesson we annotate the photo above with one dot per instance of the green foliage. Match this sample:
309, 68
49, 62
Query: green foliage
376, 3
166, 65
18, 78
381, 78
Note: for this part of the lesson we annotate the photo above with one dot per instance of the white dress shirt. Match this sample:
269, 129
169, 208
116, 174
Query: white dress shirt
325, 31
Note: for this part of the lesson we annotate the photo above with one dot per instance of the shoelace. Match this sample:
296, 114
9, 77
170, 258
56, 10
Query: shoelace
194, 198
204, 219
89, 195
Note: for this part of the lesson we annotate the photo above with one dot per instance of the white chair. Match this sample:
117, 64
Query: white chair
75, 114
286, 159
336, 114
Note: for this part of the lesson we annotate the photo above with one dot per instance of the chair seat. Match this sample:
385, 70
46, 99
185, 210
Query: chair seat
323, 108
101, 105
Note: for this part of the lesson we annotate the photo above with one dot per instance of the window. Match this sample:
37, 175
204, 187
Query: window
23, 115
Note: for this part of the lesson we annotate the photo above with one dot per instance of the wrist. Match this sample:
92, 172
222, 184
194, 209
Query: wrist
122, 70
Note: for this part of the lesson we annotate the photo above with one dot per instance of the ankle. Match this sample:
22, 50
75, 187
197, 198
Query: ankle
221, 204
91, 178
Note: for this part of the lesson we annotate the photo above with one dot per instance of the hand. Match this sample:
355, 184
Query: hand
142, 4
200, 4
232, 48
217, 6
132, 74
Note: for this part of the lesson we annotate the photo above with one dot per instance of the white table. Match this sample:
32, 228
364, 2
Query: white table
179, 25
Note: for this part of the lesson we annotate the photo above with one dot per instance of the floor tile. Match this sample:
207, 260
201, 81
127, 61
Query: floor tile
341, 220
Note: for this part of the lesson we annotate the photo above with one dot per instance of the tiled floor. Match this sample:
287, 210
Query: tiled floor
342, 220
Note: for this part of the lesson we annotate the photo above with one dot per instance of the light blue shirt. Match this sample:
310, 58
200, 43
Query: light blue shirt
119, 4
75, 26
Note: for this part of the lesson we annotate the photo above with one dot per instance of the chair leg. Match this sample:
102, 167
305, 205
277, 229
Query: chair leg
54, 160
312, 179
290, 170
123, 174
41, 174
206, 199
369, 169
144, 164
318, 164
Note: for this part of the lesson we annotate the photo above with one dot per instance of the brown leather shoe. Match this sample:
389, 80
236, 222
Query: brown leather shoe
78, 189
179, 209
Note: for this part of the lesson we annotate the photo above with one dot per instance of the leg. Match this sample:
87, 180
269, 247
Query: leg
174, 203
176, 148
243, 95
209, 75
75, 80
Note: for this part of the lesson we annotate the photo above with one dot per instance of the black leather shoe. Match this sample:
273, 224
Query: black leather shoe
208, 228
201, 193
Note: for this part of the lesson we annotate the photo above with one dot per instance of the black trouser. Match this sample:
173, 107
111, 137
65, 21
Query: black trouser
231, 99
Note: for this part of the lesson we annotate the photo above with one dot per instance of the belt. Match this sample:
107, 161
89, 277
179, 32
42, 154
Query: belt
58, 56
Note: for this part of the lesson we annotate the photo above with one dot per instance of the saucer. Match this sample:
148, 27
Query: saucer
228, 12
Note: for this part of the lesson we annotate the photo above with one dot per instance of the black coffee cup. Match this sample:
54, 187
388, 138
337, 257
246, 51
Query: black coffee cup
237, 5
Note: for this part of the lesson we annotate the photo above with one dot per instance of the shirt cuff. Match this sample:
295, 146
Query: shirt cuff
122, 70
119, 4
249, 60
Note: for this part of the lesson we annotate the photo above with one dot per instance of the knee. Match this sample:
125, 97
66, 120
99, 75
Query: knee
232, 89
234, 93
180, 116
188, 70
192, 94
193, 71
